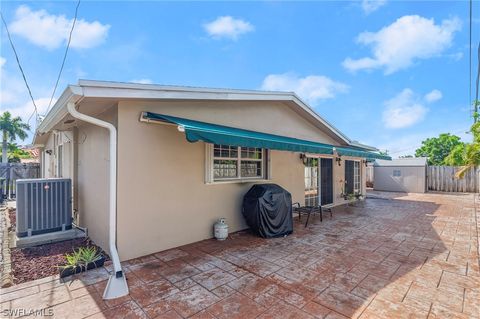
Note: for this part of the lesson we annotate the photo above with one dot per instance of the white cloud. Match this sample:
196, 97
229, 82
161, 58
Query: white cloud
227, 27
51, 31
370, 6
433, 96
406, 144
142, 81
2, 62
403, 110
312, 88
15, 99
398, 45
25, 110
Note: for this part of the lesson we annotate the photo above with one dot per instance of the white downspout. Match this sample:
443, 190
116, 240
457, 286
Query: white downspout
117, 284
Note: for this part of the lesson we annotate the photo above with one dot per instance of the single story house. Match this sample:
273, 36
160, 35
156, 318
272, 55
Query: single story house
153, 167
408, 175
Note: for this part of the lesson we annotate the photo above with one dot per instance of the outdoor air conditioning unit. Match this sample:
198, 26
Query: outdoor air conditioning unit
43, 206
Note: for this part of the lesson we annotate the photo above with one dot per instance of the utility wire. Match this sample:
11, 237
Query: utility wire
20, 67
64, 56
470, 56
478, 80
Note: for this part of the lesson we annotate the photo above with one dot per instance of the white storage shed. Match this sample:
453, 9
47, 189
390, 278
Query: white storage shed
401, 175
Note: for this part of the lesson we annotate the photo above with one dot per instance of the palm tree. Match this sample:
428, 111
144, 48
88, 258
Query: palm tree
471, 154
11, 128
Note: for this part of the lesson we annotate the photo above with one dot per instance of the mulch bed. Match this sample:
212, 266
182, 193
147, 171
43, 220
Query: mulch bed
41, 261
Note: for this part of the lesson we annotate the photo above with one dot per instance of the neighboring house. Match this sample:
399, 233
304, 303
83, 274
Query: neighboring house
179, 167
34, 155
407, 175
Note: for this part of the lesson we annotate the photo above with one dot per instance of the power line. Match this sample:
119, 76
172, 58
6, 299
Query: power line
20, 67
470, 55
64, 56
478, 80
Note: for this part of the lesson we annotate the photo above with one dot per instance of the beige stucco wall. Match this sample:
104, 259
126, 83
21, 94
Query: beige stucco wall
163, 200
339, 179
92, 178
264, 116
86, 162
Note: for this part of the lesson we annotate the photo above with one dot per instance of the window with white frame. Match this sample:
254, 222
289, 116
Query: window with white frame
356, 177
229, 163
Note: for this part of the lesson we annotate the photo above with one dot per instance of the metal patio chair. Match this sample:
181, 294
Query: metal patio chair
308, 210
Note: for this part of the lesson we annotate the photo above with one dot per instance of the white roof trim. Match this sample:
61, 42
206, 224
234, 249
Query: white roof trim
121, 90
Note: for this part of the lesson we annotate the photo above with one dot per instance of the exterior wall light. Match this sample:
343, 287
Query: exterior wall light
339, 161
304, 159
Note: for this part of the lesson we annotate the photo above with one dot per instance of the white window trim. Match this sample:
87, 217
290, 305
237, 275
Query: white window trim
209, 158
357, 179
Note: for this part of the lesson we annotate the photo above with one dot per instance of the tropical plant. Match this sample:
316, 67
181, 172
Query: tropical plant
15, 154
11, 128
438, 148
88, 254
456, 156
81, 258
471, 154
71, 260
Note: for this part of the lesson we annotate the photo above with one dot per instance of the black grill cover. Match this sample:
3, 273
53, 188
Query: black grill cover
267, 209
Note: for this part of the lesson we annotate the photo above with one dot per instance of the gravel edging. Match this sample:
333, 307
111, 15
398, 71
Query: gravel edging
5, 257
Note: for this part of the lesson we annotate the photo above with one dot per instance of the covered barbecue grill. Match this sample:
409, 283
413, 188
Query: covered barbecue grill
267, 209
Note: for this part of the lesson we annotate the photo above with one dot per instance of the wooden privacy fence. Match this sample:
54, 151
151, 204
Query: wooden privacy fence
10, 172
442, 179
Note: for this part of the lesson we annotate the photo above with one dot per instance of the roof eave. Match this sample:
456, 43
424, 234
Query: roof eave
317, 117
59, 110
118, 90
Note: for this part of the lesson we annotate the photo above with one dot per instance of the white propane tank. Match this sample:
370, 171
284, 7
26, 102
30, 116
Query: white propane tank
220, 229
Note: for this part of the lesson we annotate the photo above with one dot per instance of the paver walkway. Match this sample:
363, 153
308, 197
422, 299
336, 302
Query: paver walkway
413, 256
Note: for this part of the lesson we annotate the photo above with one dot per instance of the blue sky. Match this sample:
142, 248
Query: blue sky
386, 73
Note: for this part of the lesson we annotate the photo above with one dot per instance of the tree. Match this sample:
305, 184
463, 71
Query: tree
15, 154
471, 153
11, 129
456, 156
438, 148
406, 156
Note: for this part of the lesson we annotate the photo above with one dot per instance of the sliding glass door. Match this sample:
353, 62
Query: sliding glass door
318, 181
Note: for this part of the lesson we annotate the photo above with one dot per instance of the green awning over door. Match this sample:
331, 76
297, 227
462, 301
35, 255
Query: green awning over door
218, 134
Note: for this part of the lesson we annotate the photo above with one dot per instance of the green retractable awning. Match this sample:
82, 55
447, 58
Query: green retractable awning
218, 134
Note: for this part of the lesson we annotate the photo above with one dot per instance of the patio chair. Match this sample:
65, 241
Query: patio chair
308, 210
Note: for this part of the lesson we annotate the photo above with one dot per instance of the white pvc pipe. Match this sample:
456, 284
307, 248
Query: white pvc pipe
112, 183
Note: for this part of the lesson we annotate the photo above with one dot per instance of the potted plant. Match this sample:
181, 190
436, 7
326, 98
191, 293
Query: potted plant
358, 196
82, 259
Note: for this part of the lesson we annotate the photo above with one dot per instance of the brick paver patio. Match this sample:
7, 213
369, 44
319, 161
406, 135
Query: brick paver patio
412, 256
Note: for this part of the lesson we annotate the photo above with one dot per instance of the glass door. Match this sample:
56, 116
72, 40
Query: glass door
326, 184
311, 182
